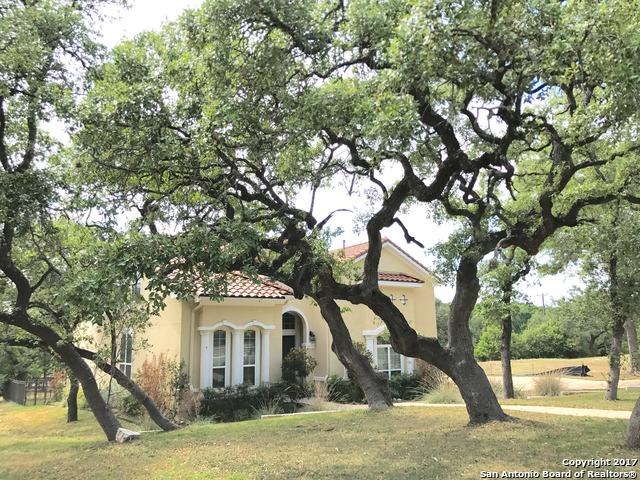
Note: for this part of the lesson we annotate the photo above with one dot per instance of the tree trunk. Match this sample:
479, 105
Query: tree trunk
72, 400
79, 368
114, 346
614, 363
475, 388
456, 360
132, 387
479, 397
633, 430
505, 348
617, 330
374, 386
632, 340
104, 415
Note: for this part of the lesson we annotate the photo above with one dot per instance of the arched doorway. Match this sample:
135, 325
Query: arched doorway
293, 332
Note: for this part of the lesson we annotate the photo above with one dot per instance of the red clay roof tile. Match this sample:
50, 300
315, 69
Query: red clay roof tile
397, 277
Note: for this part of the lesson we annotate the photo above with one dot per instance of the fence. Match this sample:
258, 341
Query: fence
30, 392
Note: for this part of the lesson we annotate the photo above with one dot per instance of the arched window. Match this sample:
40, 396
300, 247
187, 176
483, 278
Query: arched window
388, 361
220, 359
249, 358
126, 352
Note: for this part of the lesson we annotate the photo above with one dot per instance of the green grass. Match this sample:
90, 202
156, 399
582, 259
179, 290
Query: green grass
599, 367
627, 399
409, 443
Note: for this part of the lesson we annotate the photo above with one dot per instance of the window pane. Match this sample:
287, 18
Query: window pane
249, 347
219, 348
383, 361
288, 321
249, 375
123, 348
395, 361
218, 378
127, 370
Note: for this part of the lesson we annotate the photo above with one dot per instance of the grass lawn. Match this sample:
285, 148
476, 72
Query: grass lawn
627, 400
416, 443
599, 367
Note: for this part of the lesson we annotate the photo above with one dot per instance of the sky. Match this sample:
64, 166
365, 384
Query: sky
143, 15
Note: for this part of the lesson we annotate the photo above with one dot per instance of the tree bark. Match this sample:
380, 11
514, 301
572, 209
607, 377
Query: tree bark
456, 360
374, 386
104, 415
475, 388
79, 368
617, 330
505, 348
632, 340
479, 397
633, 430
614, 363
132, 387
72, 400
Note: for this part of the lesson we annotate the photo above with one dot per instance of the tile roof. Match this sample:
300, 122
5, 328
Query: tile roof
242, 286
351, 252
397, 277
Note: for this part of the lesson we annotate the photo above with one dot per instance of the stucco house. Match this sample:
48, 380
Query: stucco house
244, 337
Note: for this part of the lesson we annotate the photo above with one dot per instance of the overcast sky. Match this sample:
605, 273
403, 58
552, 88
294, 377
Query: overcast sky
150, 14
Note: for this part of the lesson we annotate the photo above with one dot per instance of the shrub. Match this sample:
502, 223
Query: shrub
406, 386
320, 397
296, 367
431, 377
154, 378
343, 390
130, 406
546, 340
243, 402
498, 389
488, 345
166, 382
547, 386
447, 393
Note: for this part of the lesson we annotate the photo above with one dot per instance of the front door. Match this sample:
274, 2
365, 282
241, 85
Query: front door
291, 332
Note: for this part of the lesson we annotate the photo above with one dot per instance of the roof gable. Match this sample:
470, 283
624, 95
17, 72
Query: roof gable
358, 253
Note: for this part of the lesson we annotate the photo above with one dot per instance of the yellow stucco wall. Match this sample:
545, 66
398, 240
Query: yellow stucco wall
175, 331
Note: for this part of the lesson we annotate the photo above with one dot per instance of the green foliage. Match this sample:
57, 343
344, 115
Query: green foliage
130, 406
488, 345
242, 402
546, 340
343, 390
442, 321
406, 386
540, 340
296, 367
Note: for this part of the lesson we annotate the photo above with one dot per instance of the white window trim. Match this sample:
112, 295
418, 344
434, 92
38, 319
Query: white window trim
227, 357
122, 365
388, 370
371, 341
234, 356
257, 357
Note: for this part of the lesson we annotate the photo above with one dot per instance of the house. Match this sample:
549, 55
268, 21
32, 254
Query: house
244, 337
